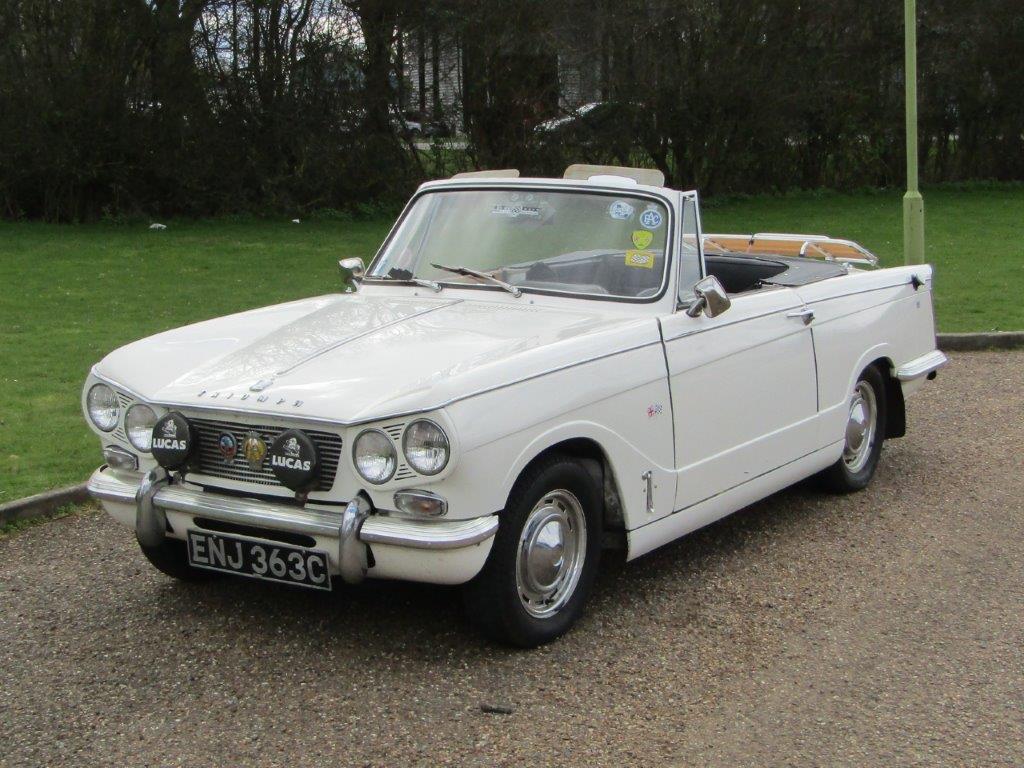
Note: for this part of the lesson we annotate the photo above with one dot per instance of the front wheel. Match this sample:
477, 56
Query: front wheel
544, 558
865, 432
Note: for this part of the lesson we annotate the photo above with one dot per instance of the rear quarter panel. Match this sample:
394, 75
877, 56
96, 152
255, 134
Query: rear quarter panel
863, 317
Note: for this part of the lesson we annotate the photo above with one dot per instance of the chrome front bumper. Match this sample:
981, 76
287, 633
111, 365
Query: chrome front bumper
352, 528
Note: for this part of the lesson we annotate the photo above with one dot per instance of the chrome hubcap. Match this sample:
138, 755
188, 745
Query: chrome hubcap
860, 427
549, 559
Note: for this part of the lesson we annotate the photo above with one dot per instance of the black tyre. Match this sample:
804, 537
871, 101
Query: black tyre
171, 557
865, 433
544, 558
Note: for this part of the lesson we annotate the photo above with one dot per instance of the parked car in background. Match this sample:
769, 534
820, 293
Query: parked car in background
438, 129
598, 131
405, 125
530, 370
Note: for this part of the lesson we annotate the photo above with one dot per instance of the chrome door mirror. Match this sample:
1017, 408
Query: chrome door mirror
711, 299
351, 269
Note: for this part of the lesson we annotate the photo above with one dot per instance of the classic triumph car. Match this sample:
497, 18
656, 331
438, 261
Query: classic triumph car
529, 371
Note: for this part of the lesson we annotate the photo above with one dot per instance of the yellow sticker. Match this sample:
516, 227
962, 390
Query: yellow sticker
642, 238
641, 259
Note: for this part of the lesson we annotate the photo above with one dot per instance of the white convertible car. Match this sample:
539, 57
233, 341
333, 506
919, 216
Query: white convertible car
528, 371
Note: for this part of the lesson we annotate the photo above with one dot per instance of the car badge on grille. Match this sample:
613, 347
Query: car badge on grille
254, 450
228, 446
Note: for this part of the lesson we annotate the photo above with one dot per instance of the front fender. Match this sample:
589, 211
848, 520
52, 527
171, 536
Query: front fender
619, 402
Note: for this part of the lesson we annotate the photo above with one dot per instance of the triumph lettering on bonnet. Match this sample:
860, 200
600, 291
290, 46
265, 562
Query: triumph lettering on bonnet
245, 396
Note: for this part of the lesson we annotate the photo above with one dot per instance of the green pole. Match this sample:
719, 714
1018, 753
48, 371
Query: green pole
913, 203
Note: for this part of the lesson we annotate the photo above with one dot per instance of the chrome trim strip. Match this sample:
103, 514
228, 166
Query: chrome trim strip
921, 366
384, 416
444, 303
452, 534
723, 324
127, 390
806, 307
887, 287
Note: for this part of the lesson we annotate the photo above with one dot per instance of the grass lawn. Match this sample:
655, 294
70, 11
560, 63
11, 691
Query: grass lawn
70, 294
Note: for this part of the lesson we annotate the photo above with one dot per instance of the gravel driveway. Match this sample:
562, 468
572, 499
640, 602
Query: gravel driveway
881, 629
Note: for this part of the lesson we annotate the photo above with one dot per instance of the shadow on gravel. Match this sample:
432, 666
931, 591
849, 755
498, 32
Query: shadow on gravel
417, 619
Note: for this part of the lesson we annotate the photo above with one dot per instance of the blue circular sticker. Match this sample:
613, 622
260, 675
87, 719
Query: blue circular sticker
620, 210
650, 219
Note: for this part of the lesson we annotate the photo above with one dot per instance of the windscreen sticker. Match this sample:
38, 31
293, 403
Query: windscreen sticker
620, 210
640, 259
642, 238
650, 219
515, 210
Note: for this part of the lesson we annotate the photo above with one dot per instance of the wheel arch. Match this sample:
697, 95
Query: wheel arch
589, 450
880, 357
895, 405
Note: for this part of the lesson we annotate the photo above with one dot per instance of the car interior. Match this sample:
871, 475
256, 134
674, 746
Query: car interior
602, 272
742, 272
607, 273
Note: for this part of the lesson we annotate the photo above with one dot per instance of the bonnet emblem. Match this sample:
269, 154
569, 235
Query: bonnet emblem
254, 450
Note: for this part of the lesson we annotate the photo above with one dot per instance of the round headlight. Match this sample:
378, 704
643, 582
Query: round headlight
374, 455
138, 424
426, 447
104, 409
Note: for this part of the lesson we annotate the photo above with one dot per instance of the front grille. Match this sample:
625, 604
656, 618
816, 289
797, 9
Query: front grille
211, 462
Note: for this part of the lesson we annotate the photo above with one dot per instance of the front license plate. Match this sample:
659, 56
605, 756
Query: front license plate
273, 562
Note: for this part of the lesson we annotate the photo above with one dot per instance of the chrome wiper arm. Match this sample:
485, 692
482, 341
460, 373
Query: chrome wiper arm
483, 276
434, 286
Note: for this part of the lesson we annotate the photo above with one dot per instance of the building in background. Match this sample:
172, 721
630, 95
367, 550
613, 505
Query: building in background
430, 90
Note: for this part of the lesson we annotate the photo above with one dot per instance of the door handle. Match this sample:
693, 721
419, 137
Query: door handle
806, 314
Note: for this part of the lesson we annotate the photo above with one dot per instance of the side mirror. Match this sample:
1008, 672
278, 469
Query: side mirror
712, 299
351, 269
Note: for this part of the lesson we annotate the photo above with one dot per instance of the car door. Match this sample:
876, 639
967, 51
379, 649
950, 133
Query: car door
743, 386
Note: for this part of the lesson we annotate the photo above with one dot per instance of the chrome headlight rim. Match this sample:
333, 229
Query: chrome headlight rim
89, 407
390, 446
146, 446
429, 472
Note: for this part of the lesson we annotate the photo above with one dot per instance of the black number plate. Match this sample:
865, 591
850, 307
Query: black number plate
273, 562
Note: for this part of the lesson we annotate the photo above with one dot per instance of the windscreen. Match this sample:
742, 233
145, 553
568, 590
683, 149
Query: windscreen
575, 242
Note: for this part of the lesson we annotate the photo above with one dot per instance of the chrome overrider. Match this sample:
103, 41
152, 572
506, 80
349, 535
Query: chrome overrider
354, 528
150, 520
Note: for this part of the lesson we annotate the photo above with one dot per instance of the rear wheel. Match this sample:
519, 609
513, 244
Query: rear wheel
865, 433
171, 558
544, 558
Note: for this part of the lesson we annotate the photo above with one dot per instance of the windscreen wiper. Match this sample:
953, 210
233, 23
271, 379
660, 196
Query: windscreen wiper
483, 276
